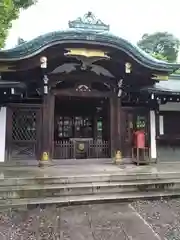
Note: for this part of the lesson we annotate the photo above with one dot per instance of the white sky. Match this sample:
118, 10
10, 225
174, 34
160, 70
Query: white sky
129, 19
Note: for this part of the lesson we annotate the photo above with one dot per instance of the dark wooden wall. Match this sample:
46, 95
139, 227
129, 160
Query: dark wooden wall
121, 124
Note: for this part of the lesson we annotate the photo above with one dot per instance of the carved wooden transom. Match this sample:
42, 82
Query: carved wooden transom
83, 88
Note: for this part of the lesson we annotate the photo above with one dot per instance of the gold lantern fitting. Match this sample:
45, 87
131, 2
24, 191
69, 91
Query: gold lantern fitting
45, 156
44, 160
118, 157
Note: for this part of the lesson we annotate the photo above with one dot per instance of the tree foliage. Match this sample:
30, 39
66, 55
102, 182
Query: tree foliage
162, 45
159, 56
9, 11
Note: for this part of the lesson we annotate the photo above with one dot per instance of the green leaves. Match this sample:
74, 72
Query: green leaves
9, 11
162, 45
159, 56
23, 3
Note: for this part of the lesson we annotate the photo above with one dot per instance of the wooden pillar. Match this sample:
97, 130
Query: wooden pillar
112, 126
115, 124
45, 132
95, 126
47, 116
48, 125
119, 125
9, 133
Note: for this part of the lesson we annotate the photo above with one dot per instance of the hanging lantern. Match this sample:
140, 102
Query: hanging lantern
43, 62
128, 67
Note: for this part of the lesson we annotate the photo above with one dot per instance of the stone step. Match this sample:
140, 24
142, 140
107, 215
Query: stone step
66, 200
50, 179
91, 184
80, 189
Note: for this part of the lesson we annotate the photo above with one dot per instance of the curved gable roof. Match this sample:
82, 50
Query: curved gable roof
98, 35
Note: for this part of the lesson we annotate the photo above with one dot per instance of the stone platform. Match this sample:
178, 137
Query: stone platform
87, 181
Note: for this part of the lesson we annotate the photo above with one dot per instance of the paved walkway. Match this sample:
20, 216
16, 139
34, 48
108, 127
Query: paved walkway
87, 222
139, 220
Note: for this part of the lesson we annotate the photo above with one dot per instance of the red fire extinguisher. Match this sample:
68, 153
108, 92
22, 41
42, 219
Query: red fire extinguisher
140, 139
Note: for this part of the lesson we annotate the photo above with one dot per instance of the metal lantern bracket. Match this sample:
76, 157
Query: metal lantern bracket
45, 79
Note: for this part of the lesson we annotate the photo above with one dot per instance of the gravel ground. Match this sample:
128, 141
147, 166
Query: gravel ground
162, 215
140, 220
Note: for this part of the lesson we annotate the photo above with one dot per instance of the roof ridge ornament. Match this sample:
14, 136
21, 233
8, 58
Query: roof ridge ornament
89, 22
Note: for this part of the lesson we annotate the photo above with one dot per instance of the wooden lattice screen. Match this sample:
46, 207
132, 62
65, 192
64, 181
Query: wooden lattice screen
24, 132
24, 125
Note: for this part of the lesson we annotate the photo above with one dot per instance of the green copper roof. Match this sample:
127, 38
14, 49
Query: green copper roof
85, 30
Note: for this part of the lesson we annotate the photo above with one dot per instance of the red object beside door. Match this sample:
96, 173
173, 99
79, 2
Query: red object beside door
140, 139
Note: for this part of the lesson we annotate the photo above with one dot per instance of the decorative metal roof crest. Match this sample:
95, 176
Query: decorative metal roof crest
89, 22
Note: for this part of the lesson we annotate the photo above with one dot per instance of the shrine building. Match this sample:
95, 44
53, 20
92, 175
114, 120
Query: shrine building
82, 93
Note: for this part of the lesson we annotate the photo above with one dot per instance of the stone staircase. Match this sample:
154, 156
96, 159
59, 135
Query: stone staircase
88, 188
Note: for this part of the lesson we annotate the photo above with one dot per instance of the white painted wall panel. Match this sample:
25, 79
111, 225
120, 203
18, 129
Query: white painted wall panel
153, 149
2, 133
161, 125
170, 106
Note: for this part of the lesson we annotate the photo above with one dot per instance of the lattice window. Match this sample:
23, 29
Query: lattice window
24, 125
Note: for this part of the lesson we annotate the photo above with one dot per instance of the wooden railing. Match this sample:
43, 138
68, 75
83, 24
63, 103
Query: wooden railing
90, 149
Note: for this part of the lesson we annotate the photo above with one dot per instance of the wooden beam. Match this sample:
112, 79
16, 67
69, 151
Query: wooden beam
21, 105
74, 93
87, 77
